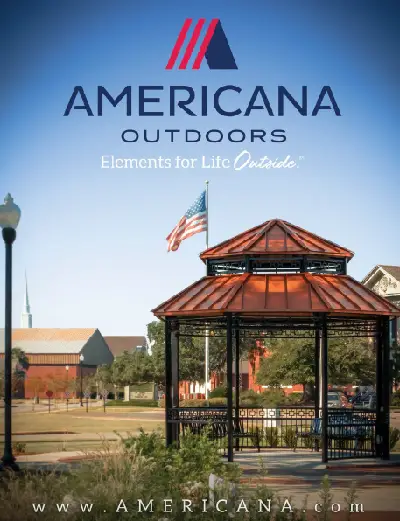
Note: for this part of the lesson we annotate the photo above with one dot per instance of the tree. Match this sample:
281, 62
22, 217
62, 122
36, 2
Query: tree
20, 364
292, 361
35, 385
191, 355
19, 358
103, 378
132, 368
191, 352
395, 364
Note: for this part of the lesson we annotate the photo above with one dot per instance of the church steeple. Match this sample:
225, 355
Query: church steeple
26, 315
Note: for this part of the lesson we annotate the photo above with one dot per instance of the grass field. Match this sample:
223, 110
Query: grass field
78, 421
43, 432
89, 429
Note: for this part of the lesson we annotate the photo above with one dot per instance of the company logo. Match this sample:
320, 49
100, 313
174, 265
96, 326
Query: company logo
214, 47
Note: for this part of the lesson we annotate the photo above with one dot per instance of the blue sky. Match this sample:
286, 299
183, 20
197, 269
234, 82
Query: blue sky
92, 240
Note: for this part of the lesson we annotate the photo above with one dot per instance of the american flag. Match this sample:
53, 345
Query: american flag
194, 221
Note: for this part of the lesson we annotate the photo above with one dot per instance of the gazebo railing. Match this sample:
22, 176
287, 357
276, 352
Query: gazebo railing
351, 432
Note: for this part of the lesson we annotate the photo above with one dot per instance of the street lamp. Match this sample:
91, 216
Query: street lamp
9, 219
81, 358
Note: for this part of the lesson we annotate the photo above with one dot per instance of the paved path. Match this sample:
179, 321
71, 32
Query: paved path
373, 497
374, 494
304, 464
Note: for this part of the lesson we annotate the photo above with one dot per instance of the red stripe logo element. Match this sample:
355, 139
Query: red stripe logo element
204, 44
179, 43
192, 43
214, 46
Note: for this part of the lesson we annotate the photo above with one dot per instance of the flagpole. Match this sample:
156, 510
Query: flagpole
207, 331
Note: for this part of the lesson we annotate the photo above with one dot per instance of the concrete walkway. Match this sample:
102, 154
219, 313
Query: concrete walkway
292, 476
304, 464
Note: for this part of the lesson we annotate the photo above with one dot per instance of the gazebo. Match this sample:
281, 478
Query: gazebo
279, 280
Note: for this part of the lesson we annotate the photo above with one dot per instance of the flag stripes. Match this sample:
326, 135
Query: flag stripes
194, 221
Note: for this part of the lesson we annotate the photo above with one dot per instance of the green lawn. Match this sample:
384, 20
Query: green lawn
78, 421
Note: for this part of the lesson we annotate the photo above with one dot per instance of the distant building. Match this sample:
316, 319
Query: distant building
54, 357
119, 344
384, 280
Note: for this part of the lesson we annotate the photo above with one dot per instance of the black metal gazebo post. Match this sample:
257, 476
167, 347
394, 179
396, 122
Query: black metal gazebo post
175, 374
237, 382
316, 370
168, 382
386, 384
171, 378
324, 390
379, 387
229, 363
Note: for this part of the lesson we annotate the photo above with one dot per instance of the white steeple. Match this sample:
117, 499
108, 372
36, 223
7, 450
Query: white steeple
26, 316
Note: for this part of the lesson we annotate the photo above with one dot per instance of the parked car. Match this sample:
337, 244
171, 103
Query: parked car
337, 399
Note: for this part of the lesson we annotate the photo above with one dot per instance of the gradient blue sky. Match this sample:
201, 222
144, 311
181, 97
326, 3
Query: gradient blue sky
93, 241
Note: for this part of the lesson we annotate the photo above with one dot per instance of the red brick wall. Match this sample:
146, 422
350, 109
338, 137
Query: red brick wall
42, 378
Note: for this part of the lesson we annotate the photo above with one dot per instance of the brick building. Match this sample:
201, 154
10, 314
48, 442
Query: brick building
54, 357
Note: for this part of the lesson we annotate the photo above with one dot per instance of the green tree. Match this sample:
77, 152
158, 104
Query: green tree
395, 364
132, 368
20, 364
292, 361
191, 352
19, 359
191, 355
103, 378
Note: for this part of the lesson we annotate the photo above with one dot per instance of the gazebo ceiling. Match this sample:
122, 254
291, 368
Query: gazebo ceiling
276, 237
276, 295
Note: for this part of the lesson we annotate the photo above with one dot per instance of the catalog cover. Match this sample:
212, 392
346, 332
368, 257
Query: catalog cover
201, 291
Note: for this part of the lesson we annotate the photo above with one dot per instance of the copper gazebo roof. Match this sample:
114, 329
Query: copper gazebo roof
313, 281
290, 294
276, 237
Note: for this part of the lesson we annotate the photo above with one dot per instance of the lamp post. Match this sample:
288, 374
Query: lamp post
9, 219
81, 359
67, 369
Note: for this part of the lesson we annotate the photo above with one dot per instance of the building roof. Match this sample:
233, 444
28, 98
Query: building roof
276, 237
48, 341
276, 295
119, 344
394, 271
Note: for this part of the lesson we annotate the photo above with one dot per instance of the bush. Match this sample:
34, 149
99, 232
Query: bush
250, 398
271, 436
218, 402
142, 468
289, 437
219, 392
394, 437
193, 403
293, 398
272, 398
146, 444
132, 403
